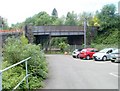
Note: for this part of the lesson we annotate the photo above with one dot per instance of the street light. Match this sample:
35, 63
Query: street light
85, 23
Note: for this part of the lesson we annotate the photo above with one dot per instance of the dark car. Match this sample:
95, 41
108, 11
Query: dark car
87, 53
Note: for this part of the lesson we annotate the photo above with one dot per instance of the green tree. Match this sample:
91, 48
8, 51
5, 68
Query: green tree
63, 46
43, 19
30, 20
71, 19
55, 13
58, 21
17, 26
87, 16
95, 21
3, 23
107, 17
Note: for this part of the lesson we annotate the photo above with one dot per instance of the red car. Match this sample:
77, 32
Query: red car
87, 53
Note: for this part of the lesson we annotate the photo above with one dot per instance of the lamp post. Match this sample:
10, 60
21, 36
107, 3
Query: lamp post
85, 23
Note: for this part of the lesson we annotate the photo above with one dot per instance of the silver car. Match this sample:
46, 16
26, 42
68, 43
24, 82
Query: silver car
115, 56
104, 54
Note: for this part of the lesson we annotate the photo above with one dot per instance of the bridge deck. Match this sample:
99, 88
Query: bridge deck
57, 30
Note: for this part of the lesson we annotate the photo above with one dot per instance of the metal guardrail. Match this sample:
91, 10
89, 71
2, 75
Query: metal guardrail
26, 77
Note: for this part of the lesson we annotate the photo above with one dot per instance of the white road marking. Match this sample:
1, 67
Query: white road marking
86, 60
114, 74
99, 62
78, 59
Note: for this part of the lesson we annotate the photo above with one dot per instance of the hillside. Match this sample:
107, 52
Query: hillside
109, 38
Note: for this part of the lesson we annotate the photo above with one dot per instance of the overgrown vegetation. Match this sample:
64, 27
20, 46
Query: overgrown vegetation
64, 47
16, 50
109, 29
110, 37
107, 40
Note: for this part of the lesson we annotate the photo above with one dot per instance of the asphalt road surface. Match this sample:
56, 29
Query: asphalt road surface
66, 72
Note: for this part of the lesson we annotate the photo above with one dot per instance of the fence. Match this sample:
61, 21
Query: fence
26, 77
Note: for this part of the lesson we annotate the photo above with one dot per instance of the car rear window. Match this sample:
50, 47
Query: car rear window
83, 50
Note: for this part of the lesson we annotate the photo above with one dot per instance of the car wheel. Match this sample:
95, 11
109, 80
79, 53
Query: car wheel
104, 58
112, 61
73, 56
95, 59
78, 56
87, 57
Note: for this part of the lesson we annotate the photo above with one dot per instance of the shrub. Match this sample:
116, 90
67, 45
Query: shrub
12, 77
63, 46
16, 50
109, 37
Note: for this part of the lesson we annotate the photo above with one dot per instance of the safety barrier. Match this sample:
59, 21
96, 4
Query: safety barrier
26, 77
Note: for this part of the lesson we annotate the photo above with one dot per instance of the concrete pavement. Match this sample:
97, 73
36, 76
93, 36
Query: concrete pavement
66, 72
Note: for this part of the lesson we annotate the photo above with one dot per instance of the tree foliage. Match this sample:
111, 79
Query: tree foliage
63, 46
43, 19
56, 41
71, 19
55, 13
87, 16
108, 18
3, 23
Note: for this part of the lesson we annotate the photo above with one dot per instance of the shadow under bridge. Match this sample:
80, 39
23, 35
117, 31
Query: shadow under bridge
74, 34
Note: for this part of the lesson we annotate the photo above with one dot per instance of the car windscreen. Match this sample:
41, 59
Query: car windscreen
104, 50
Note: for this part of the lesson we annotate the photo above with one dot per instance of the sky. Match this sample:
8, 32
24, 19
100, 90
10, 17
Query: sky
18, 10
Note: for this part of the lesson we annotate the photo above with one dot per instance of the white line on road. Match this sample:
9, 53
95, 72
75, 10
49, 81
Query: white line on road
114, 74
99, 62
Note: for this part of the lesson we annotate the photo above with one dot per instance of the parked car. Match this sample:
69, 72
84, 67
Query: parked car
104, 54
75, 53
87, 53
115, 56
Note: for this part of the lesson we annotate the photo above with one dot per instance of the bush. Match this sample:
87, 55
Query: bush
12, 77
109, 37
64, 47
16, 50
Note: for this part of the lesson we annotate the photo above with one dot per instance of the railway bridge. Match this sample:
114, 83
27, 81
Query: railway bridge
74, 34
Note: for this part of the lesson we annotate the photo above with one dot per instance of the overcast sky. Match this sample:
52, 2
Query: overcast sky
18, 10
